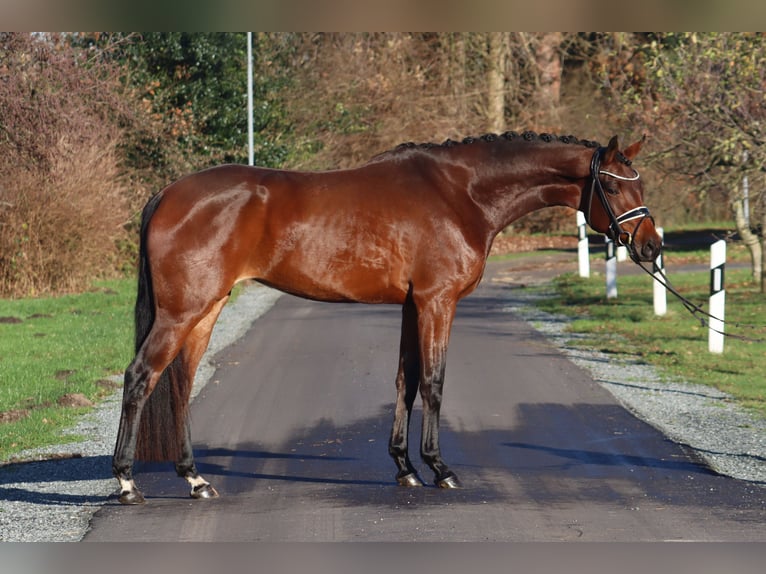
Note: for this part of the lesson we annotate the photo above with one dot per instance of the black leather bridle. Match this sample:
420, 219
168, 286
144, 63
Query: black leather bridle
615, 231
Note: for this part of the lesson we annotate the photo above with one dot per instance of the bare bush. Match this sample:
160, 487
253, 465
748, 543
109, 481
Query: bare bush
62, 203
359, 94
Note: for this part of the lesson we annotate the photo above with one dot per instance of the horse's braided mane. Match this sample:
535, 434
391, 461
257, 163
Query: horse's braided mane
507, 136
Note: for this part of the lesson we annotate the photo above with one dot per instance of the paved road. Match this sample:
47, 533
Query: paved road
293, 431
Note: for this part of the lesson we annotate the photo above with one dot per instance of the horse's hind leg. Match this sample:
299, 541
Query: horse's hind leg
406, 391
161, 347
136, 380
158, 350
192, 353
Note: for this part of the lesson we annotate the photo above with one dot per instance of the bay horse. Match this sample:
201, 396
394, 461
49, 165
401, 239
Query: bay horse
413, 227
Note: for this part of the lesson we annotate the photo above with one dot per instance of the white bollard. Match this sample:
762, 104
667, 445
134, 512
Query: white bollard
611, 269
583, 256
717, 296
660, 293
622, 253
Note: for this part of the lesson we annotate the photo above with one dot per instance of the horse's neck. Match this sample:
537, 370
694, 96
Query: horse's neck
530, 178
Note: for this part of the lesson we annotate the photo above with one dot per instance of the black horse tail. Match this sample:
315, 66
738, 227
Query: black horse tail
162, 428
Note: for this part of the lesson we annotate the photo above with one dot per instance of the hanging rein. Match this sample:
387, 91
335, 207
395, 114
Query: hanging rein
697, 311
622, 237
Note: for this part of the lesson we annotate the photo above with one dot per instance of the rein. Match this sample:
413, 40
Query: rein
696, 310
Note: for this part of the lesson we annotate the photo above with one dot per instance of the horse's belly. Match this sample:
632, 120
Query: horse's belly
358, 287
342, 277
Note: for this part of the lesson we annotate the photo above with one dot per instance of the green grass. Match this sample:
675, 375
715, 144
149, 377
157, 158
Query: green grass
52, 347
521, 255
677, 343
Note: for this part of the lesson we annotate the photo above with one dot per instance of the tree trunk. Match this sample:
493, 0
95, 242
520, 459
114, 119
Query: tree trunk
456, 73
763, 252
750, 239
549, 64
498, 44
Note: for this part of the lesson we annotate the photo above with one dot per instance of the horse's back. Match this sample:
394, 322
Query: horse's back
356, 235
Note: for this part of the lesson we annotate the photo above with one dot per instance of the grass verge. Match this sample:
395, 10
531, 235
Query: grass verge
56, 357
676, 343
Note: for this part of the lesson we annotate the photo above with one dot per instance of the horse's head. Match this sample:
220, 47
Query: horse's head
613, 201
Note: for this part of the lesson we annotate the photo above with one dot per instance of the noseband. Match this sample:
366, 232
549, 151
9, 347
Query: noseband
615, 231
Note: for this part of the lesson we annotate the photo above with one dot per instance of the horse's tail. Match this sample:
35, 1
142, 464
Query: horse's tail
162, 432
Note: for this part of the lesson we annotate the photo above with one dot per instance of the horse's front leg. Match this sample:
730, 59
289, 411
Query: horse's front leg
434, 324
406, 391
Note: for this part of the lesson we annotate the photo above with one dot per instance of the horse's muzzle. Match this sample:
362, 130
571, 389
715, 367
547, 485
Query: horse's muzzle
648, 250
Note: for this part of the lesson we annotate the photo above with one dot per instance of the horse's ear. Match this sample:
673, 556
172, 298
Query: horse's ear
611, 150
632, 150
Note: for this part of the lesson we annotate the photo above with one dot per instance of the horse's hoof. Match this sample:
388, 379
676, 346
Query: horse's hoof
131, 497
409, 479
204, 491
449, 481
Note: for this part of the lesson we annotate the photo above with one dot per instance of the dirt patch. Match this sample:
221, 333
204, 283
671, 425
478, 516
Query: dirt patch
10, 320
63, 374
75, 400
107, 385
13, 415
68, 400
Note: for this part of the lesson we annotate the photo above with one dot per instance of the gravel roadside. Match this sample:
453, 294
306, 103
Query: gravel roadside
53, 497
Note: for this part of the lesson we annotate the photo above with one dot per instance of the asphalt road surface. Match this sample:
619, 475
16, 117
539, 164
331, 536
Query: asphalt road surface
293, 432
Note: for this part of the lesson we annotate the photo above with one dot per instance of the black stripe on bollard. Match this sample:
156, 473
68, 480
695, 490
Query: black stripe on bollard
717, 279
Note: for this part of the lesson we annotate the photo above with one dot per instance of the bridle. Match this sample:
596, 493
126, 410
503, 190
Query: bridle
615, 231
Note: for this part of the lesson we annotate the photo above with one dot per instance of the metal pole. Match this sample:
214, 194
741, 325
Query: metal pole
250, 148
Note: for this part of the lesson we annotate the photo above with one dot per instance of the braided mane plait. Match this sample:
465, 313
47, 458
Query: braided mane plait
526, 136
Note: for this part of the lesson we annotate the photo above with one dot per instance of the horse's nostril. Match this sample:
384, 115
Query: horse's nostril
651, 250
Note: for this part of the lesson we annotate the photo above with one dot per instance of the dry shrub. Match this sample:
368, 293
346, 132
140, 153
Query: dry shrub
361, 94
60, 227
62, 204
